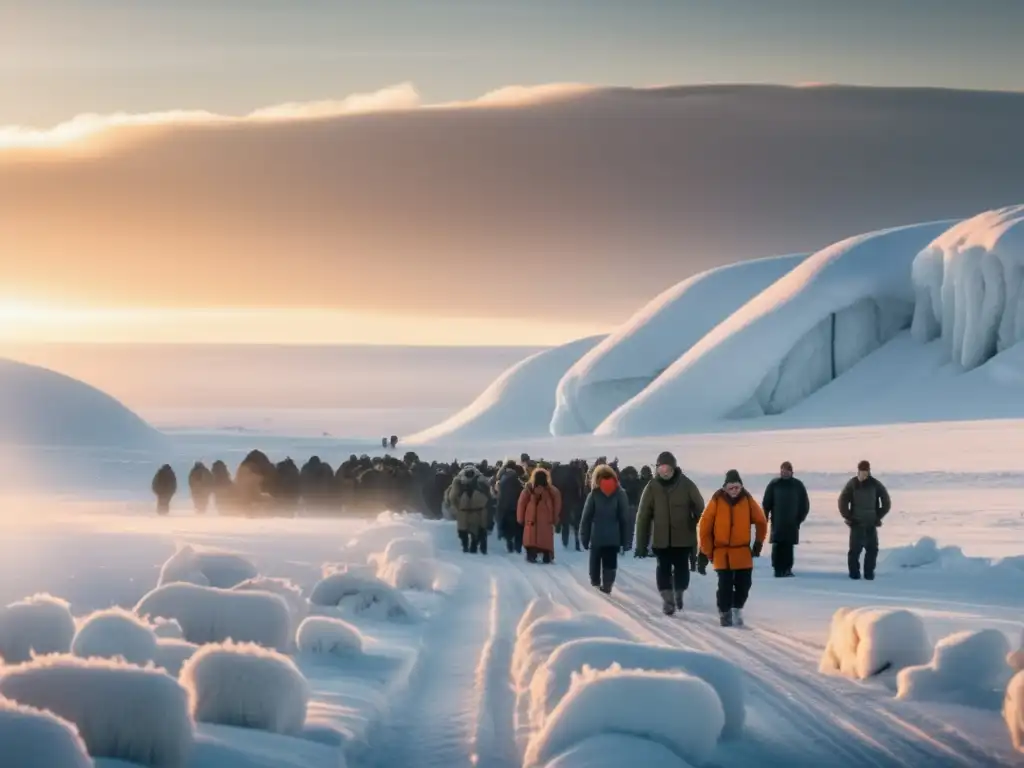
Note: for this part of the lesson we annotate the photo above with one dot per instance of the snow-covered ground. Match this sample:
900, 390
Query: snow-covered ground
439, 689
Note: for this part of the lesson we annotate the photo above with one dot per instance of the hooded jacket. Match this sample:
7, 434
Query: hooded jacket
606, 519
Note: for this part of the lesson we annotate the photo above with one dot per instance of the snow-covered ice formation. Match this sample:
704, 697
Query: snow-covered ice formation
35, 738
206, 567
968, 668
637, 352
363, 595
518, 403
324, 635
38, 625
113, 633
865, 642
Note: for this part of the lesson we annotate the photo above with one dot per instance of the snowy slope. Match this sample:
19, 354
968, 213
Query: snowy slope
807, 329
969, 285
39, 407
519, 402
622, 365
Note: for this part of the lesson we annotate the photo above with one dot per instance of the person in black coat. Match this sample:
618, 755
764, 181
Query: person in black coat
509, 488
786, 506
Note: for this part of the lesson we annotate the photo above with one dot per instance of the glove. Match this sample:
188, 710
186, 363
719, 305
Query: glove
702, 564
756, 549
640, 552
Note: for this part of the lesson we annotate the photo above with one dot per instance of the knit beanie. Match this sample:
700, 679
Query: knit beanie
666, 458
732, 476
864, 466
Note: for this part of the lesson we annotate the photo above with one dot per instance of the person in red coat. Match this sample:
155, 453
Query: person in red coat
539, 511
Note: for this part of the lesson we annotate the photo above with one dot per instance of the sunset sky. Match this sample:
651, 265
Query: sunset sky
265, 170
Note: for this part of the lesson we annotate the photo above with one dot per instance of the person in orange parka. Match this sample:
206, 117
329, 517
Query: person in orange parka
725, 541
539, 511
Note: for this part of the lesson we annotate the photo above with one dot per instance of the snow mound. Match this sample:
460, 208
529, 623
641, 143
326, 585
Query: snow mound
39, 407
363, 595
207, 568
864, 642
211, 615
518, 404
171, 654
125, 712
680, 712
1013, 710
623, 364
796, 336
298, 605
114, 633
539, 608
33, 738
37, 625
553, 680
416, 547
421, 574
968, 668
246, 686
167, 629
614, 750
926, 553
375, 539
324, 635
969, 284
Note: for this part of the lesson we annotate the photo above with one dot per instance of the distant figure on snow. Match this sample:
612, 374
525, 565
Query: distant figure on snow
538, 511
604, 526
200, 486
394, 442
786, 506
469, 497
863, 503
384, 443
725, 539
165, 485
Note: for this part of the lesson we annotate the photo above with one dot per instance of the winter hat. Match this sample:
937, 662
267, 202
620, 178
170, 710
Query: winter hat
864, 466
732, 476
666, 457
787, 465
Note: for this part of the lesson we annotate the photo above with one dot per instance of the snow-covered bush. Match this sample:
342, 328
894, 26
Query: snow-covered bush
679, 711
864, 642
539, 608
33, 738
324, 635
171, 654
376, 538
424, 574
247, 686
125, 712
362, 595
115, 632
553, 680
614, 750
1013, 710
39, 624
167, 629
298, 605
206, 567
210, 615
411, 547
968, 668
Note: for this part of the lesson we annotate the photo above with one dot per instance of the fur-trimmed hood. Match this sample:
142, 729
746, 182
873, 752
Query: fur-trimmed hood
539, 470
601, 471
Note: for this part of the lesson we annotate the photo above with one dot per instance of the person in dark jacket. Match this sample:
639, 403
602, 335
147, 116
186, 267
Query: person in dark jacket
863, 503
509, 488
786, 506
200, 486
165, 485
666, 521
570, 480
604, 526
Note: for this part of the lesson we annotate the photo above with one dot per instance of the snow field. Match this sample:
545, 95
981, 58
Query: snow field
212, 615
926, 553
247, 686
122, 711
206, 568
34, 738
37, 625
865, 642
968, 668
114, 633
361, 595
553, 679
679, 711
333, 637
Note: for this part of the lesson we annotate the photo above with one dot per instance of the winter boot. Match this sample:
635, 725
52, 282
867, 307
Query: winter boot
737, 617
725, 618
668, 603
679, 599
779, 573
607, 580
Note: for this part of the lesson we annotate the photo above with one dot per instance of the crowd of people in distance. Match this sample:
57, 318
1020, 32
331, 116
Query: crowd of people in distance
530, 504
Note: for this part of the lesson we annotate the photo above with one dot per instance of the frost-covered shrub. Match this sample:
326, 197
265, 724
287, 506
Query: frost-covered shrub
968, 668
298, 605
678, 710
1013, 710
246, 686
362, 595
171, 654
210, 615
207, 568
554, 678
39, 624
324, 635
115, 632
33, 738
865, 642
125, 712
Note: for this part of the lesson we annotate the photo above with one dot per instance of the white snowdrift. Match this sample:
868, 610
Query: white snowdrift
926, 553
864, 642
518, 404
628, 360
171, 654
298, 605
968, 668
425, 574
553, 680
247, 686
676, 710
332, 637
33, 738
210, 615
969, 284
37, 625
539, 608
39, 407
207, 568
362, 595
114, 633
404, 546
790, 340
122, 711
1013, 710
374, 539
614, 750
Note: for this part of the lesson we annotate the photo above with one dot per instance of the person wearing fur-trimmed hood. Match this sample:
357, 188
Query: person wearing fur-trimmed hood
470, 496
539, 510
605, 526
